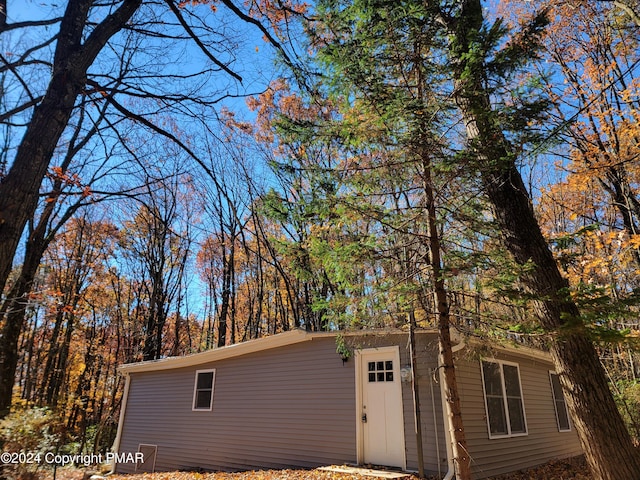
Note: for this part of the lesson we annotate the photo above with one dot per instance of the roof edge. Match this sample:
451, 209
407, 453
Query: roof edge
515, 349
251, 346
290, 338
229, 351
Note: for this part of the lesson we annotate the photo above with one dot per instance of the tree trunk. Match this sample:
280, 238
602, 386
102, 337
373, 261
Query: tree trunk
3, 14
625, 200
52, 355
157, 316
60, 374
13, 312
605, 439
15, 305
445, 347
415, 387
19, 189
226, 295
603, 434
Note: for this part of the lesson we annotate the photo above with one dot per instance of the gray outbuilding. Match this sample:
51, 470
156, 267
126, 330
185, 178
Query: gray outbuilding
292, 400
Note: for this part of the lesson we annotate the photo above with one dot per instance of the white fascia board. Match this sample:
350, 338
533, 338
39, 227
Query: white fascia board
236, 350
515, 350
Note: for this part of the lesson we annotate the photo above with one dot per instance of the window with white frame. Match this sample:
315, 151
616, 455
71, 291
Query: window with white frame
203, 390
560, 404
503, 399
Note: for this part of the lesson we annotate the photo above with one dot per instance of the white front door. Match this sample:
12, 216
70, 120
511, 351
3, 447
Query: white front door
380, 406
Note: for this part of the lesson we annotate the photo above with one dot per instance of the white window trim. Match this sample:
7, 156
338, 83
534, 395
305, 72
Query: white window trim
555, 407
504, 400
195, 390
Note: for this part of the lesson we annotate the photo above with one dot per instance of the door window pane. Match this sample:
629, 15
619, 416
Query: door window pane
380, 371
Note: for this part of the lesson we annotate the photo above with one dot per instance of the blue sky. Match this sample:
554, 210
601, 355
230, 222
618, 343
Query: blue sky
253, 60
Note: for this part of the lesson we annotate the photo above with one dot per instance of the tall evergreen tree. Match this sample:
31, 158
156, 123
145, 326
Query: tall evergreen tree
472, 64
606, 442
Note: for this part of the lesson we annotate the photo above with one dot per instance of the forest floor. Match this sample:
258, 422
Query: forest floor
572, 469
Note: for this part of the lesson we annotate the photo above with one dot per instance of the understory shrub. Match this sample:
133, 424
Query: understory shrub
28, 434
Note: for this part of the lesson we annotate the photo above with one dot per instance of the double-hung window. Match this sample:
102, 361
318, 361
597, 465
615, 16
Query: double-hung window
503, 399
560, 404
203, 390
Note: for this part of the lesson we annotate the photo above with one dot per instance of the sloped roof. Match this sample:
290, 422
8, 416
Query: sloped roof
230, 351
290, 338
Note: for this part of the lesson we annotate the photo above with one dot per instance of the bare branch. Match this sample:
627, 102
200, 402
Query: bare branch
196, 39
25, 106
5, 27
243, 16
629, 11
140, 119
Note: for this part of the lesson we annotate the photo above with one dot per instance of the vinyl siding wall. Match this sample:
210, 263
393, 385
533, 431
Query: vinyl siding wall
542, 443
287, 406
296, 406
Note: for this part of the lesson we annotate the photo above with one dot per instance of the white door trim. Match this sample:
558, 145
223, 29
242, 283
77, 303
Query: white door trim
359, 366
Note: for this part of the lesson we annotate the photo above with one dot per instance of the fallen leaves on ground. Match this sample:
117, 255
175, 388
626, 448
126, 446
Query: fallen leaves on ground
570, 469
253, 475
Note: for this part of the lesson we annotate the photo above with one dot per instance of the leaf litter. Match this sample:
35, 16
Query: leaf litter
569, 469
